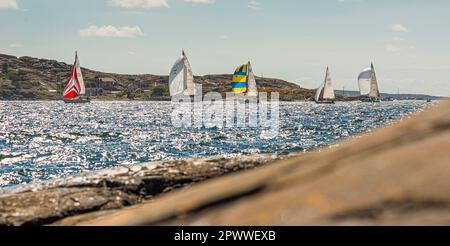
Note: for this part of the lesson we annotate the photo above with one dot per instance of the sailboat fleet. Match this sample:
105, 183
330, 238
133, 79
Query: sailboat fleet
181, 83
367, 82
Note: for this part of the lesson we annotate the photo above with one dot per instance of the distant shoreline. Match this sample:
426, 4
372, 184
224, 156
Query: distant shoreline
168, 100
27, 79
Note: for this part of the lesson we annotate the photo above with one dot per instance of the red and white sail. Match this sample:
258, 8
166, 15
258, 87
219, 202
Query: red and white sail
75, 86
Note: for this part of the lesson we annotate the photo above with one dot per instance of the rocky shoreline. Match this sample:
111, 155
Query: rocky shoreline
396, 175
48, 202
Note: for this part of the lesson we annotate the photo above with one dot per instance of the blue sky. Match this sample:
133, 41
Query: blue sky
289, 39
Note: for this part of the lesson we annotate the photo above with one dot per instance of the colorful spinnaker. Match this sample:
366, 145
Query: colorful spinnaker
244, 81
75, 87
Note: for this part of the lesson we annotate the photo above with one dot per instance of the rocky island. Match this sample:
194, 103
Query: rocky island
28, 78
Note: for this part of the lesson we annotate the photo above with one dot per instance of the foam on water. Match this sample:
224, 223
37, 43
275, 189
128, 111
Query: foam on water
46, 140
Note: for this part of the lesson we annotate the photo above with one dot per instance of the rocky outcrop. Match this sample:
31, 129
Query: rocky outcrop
394, 176
44, 203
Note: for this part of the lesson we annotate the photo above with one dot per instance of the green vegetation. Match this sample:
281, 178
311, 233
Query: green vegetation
5, 68
91, 84
160, 91
121, 94
18, 79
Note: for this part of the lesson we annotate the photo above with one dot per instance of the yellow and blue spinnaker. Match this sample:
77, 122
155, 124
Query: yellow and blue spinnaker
239, 83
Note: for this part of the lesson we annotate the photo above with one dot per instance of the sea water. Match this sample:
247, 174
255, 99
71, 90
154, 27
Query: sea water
46, 140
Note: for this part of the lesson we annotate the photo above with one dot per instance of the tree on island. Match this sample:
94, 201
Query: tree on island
5, 68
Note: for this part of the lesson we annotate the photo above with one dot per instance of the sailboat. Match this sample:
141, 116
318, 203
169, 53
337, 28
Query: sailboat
75, 87
368, 85
181, 78
244, 81
325, 93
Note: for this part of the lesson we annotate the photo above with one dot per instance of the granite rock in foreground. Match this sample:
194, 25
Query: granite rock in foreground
47, 202
395, 176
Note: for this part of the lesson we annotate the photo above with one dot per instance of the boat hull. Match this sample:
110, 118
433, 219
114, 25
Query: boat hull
77, 101
325, 102
371, 100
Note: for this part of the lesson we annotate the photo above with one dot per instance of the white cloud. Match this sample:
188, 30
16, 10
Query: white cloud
398, 39
253, 4
392, 48
8, 4
201, 1
398, 28
111, 31
16, 45
147, 4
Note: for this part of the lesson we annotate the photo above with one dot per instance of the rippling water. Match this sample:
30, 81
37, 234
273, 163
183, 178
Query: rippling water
45, 140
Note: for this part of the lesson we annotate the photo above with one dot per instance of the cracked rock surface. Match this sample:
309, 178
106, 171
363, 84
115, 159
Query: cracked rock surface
47, 202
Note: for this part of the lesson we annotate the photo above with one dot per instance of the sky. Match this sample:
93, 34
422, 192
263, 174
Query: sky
294, 40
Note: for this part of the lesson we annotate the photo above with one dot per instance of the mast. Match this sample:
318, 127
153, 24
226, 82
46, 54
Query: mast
248, 76
252, 87
325, 83
189, 77
185, 82
79, 75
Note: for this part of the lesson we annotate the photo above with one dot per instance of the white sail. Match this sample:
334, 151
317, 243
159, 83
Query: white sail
177, 78
374, 91
181, 78
328, 91
318, 93
365, 81
80, 75
189, 77
368, 84
252, 90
